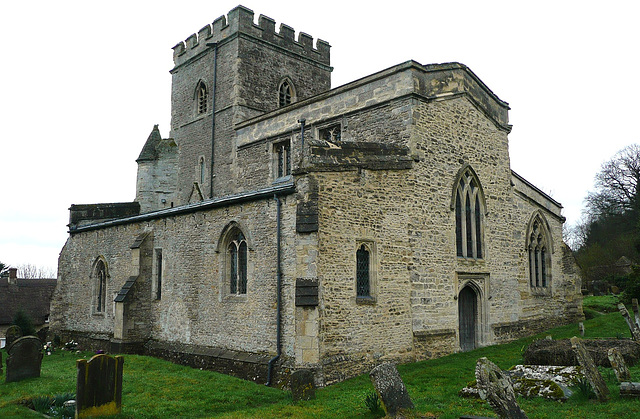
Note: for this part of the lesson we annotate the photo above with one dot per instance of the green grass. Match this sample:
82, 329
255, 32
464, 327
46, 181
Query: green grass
601, 303
158, 389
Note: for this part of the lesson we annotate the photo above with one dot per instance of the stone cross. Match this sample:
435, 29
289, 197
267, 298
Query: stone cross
392, 391
618, 365
496, 387
24, 359
635, 332
13, 332
99, 386
302, 385
634, 305
590, 370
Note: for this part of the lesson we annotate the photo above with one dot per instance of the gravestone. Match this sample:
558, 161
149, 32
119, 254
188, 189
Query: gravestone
13, 332
495, 387
634, 305
635, 332
628, 390
618, 365
590, 370
24, 359
392, 391
99, 386
302, 385
581, 328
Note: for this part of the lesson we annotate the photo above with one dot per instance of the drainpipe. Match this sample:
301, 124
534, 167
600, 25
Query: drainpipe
278, 292
213, 112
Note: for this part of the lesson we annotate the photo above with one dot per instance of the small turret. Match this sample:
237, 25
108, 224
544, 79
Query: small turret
157, 166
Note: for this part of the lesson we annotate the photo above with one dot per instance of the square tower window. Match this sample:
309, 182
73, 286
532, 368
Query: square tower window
282, 159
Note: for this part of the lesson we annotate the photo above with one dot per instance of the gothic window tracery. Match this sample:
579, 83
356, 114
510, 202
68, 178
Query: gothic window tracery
331, 133
469, 214
285, 93
237, 263
538, 249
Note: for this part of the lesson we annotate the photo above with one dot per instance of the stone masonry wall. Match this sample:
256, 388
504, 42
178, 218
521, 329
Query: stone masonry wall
195, 308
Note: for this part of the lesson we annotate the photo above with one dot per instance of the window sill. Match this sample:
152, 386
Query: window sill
365, 301
541, 291
282, 179
235, 298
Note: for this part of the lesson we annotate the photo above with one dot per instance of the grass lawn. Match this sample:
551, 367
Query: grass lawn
158, 389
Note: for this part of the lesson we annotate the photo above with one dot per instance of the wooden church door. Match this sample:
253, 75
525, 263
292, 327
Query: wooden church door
467, 318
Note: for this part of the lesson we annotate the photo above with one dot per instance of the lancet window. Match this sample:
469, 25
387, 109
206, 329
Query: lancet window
469, 212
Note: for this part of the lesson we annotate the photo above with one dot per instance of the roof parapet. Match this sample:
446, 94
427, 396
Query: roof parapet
240, 20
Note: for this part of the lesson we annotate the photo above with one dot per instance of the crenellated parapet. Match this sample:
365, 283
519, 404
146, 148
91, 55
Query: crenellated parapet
240, 20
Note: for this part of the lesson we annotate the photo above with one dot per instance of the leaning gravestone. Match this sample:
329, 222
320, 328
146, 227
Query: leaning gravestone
24, 359
99, 386
302, 385
635, 332
618, 365
495, 387
13, 332
392, 391
634, 305
590, 370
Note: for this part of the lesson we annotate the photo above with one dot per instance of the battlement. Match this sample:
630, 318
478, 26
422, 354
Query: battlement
240, 20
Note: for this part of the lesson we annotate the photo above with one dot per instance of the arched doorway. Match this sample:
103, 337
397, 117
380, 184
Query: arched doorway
467, 318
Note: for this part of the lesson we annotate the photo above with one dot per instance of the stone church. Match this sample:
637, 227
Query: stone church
284, 225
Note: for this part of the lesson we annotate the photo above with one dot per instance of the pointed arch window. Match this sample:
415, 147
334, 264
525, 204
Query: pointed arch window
237, 263
100, 275
539, 254
202, 96
469, 214
285, 93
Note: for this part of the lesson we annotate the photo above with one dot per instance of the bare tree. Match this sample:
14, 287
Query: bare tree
30, 271
617, 185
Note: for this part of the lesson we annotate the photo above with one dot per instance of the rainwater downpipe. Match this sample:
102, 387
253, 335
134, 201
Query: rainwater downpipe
278, 293
213, 112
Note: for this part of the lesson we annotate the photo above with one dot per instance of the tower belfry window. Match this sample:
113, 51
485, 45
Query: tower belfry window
202, 96
285, 94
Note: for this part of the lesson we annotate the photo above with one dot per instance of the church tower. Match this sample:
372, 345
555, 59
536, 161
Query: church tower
231, 71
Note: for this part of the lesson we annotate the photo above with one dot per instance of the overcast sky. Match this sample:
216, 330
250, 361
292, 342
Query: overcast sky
83, 82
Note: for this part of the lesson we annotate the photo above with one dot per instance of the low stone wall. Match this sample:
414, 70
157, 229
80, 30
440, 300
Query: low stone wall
248, 366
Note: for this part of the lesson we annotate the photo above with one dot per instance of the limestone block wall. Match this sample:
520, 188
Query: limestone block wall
195, 308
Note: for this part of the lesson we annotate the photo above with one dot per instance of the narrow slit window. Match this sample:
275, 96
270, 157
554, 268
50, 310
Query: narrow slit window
363, 283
